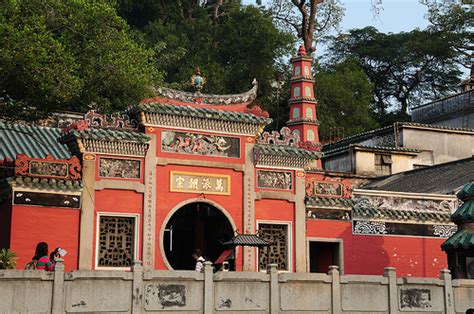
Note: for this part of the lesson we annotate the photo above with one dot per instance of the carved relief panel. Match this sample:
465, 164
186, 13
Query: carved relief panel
119, 168
280, 180
200, 144
116, 241
277, 252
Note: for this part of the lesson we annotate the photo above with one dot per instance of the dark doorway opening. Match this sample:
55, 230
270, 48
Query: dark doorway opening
195, 226
322, 255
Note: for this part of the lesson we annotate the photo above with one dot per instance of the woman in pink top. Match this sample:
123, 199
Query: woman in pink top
41, 257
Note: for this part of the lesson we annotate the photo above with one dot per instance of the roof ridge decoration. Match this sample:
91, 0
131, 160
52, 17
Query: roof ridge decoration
210, 99
287, 138
48, 167
93, 119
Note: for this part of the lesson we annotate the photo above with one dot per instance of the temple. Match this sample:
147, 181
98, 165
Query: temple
188, 170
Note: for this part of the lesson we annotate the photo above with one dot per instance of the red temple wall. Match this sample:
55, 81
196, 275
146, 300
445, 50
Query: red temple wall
119, 202
59, 227
167, 201
5, 222
369, 255
275, 211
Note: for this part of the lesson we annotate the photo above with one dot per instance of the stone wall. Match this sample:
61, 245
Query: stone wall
230, 292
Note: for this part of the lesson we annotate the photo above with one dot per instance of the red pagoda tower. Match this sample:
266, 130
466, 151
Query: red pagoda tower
303, 120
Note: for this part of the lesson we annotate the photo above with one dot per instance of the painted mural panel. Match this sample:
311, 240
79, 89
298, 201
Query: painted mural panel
274, 180
119, 168
200, 144
190, 182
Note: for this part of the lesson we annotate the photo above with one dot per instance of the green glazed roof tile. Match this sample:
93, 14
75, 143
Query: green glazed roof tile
464, 213
34, 141
46, 183
283, 150
206, 113
463, 239
107, 135
321, 201
467, 192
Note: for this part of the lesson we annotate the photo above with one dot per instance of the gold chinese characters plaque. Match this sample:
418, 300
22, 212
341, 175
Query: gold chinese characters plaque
192, 182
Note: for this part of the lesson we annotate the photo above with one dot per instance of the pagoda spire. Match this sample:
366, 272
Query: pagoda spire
303, 119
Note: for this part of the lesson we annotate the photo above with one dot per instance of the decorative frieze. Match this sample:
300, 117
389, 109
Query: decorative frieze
328, 187
280, 180
190, 182
116, 121
66, 169
331, 214
200, 144
284, 137
119, 168
46, 199
414, 299
367, 227
405, 204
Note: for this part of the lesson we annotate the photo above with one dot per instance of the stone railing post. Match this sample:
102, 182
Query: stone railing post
445, 275
137, 293
274, 291
335, 289
391, 274
58, 287
208, 288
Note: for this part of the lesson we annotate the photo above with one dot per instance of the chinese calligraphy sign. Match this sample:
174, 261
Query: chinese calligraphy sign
199, 182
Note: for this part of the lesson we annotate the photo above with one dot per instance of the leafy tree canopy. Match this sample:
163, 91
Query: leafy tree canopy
405, 68
344, 95
69, 55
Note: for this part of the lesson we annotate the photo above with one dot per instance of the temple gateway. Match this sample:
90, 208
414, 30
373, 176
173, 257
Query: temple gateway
186, 170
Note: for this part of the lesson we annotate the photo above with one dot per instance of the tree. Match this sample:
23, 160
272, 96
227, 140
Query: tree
453, 23
72, 55
405, 68
344, 95
309, 19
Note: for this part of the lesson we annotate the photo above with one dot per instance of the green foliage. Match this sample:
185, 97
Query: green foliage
405, 68
344, 95
58, 55
7, 259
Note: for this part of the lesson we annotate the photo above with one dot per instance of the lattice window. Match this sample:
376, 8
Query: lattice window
383, 165
277, 253
116, 241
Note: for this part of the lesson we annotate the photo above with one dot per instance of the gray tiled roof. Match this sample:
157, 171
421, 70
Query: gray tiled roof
444, 178
34, 141
373, 148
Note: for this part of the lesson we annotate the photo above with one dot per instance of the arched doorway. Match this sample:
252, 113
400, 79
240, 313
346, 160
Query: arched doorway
195, 225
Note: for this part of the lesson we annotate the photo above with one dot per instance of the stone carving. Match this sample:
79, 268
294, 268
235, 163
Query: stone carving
165, 296
119, 168
399, 203
116, 241
68, 169
277, 252
207, 99
329, 187
444, 231
369, 227
199, 183
419, 299
200, 144
274, 180
284, 137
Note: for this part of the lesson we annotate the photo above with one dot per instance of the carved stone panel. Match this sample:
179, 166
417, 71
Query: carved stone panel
171, 296
415, 299
190, 182
119, 168
277, 252
200, 144
116, 241
274, 180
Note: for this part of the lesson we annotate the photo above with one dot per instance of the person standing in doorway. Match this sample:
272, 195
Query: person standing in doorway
199, 260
